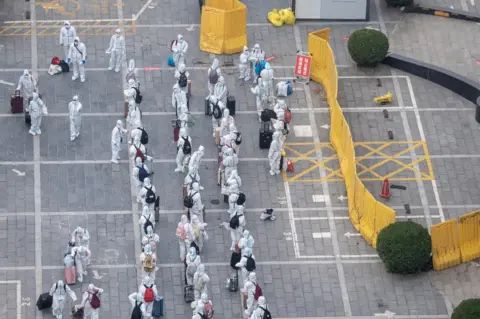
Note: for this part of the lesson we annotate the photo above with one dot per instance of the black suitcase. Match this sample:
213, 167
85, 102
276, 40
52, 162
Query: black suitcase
44, 301
188, 294
207, 108
231, 104
232, 283
28, 118
225, 198
265, 137
157, 209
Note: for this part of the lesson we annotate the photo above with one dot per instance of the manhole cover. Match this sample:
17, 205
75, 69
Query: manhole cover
215, 202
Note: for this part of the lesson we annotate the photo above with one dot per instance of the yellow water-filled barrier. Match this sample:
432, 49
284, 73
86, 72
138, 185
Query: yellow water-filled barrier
223, 28
445, 245
469, 235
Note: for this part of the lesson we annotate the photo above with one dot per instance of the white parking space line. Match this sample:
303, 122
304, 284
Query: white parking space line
18, 287
319, 198
302, 130
321, 235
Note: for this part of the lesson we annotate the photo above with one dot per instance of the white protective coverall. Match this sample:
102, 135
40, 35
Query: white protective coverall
179, 49
261, 306
80, 237
199, 233
256, 55
195, 160
35, 108
137, 145
74, 109
235, 234
243, 262
261, 98
116, 51
89, 312
150, 239
220, 91
214, 72
221, 105
82, 257
225, 122
193, 261
146, 216
78, 56
181, 234
197, 208
179, 98
244, 66
234, 182
118, 134
268, 77
192, 177
247, 241
147, 251
136, 298
198, 312
67, 35
147, 282
249, 292
132, 73
274, 154
229, 162
182, 158
27, 84
136, 170
182, 69
200, 282
59, 292
130, 93
204, 302
142, 194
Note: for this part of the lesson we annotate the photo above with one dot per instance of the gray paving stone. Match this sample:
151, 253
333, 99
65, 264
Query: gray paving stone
8, 292
18, 236
17, 143
17, 191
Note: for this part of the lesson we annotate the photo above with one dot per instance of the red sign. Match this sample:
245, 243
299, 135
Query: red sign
303, 65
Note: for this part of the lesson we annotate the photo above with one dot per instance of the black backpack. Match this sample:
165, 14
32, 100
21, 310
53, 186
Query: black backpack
147, 223
266, 313
144, 137
235, 221
250, 265
238, 139
217, 112
187, 148
142, 173
150, 196
138, 96
182, 80
137, 312
64, 66
188, 201
241, 199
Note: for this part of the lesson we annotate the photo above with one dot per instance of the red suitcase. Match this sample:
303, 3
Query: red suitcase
176, 134
71, 275
16, 103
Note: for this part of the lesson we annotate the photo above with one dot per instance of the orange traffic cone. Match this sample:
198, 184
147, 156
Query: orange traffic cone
290, 166
385, 189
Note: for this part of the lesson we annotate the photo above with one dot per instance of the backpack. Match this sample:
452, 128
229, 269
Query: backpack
150, 196
55, 60
180, 233
148, 264
187, 147
138, 96
144, 136
139, 154
137, 311
289, 88
64, 65
213, 76
266, 313
235, 221
147, 223
250, 265
182, 80
149, 296
188, 201
208, 310
95, 301
241, 199
142, 173
288, 116
258, 292
217, 112
238, 139
259, 66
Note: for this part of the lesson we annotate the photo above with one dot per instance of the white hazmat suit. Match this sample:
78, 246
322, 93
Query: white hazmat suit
247, 241
78, 56
225, 122
151, 239
179, 49
74, 109
116, 51
147, 283
214, 72
181, 234
236, 233
144, 191
179, 98
192, 262
136, 299
199, 233
197, 208
118, 134
200, 282
67, 35
27, 84
257, 55
249, 292
36, 110
145, 257
220, 91
80, 237
243, 263
261, 97
192, 177
221, 105
229, 163
82, 257
268, 77
89, 312
130, 93
59, 292
244, 66
147, 219
139, 166
259, 313
195, 160
183, 152
179, 72
132, 73
274, 154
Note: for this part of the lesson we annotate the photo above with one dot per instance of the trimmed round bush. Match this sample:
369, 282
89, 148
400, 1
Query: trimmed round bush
399, 3
467, 309
368, 47
405, 247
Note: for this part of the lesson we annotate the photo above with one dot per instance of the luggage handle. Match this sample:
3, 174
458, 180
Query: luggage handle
17, 93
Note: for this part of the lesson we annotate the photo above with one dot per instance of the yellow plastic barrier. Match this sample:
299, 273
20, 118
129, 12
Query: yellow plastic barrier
469, 234
384, 216
223, 28
358, 198
445, 245
367, 222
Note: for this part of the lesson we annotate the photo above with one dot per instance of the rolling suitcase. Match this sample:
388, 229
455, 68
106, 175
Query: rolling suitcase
71, 275
265, 136
188, 294
125, 109
157, 310
232, 282
207, 108
16, 103
189, 89
217, 136
44, 301
176, 133
231, 104
157, 209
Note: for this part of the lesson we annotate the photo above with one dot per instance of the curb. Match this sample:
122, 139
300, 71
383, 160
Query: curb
442, 12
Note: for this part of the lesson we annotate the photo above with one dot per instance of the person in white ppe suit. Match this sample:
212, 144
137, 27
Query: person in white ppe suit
74, 109
82, 257
88, 311
118, 135
181, 234
192, 262
148, 258
67, 35
138, 150
59, 292
234, 182
274, 154
244, 66
136, 172
36, 110
268, 77
134, 119
280, 126
147, 219
195, 160
27, 85
132, 73
200, 282
147, 283
199, 312
257, 55
221, 105
220, 91
136, 299
136, 131
179, 49
80, 237
144, 192
197, 208
259, 313
179, 98
225, 122
130, 93
184, 118
150, 238
243, 263
192, 177
214, 72
281, 105
249, 292
236, 233
199, 232
180, 72
78, 56
230, 140
229, 163
116, 51
206, 304
247, 241
261, 97
183, 150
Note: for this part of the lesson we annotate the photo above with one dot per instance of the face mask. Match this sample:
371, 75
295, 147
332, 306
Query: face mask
75, 43
118, 35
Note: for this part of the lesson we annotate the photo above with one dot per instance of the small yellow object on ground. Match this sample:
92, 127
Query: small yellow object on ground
275, 18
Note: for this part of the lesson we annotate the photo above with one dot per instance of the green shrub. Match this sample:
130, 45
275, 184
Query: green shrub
404, 247
399, 3
368, 47
467, 309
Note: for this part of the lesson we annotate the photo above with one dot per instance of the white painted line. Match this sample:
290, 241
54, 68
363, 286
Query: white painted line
422, 135
291, 216
349, 234
60, 22
139, 13
464, 5
18, 287
302, 130
318, 198
373, 77
373, 317
321, 235
339, 257
7, 83
347, 218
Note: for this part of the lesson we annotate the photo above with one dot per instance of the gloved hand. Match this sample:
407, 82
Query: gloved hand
108, 52
68, 60
83, 61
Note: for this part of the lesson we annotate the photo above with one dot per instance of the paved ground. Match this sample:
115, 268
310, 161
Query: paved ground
329, 271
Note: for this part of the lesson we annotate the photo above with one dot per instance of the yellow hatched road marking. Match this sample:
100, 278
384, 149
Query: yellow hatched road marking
45, 28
